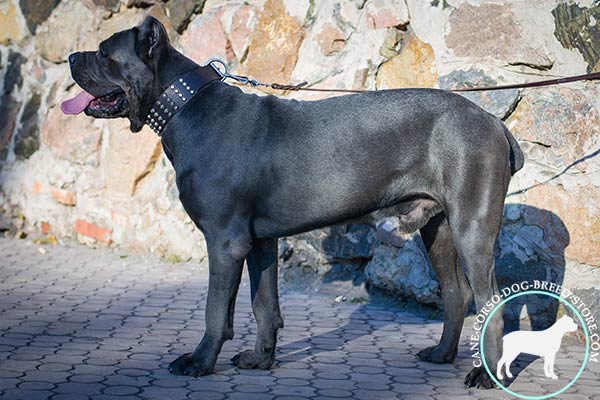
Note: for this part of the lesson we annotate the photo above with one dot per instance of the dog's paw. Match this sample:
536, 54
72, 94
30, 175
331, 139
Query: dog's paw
437, 355
479, 378
188, 365
249, 359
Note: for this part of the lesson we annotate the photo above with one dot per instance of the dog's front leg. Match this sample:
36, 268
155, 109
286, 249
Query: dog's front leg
262, 268
226, 253
549, 366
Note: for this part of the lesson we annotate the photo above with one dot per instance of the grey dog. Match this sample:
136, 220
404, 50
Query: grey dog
251, 169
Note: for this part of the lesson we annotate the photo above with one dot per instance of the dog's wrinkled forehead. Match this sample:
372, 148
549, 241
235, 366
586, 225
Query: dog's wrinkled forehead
118, 60
115, 53
118, 44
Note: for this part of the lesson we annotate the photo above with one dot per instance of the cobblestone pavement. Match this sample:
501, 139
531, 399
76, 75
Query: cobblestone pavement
77, 323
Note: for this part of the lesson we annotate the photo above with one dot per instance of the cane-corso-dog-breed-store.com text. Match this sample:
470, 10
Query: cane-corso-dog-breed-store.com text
251, 169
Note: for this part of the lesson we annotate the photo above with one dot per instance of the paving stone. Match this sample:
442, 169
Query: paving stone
47, 376
121, 390
9, 383
249, 396
79, 388
206, 395
293, 382
209, 383
22, 394
340, 393
55, 367
113, 397
158, 393
303, 391
332, 375
71, 396
36, 385
87, 378
291, 398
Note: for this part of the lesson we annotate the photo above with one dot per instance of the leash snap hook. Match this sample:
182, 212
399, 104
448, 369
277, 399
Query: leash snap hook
222, 72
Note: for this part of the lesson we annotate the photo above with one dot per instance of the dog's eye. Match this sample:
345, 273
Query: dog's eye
101, 54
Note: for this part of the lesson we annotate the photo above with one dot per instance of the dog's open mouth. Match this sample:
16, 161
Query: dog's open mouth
110, 105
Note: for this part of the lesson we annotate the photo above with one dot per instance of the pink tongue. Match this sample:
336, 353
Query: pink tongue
77, 104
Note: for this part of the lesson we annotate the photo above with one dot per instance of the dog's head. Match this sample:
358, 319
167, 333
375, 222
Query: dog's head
119, 79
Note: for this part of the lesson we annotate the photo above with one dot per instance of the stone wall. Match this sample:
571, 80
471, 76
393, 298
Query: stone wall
97, 182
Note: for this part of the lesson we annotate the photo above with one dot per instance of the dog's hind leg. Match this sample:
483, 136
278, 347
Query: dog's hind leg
506, 360
475, 205
501, 363
262, 268
478, 255
456, 293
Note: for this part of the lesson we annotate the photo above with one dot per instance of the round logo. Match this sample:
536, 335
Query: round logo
569, 326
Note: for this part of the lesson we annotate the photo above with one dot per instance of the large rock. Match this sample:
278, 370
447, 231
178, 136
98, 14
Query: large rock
564, 120
36, 12
13, 78
302, 10
129, 157
404, 271
180, 12
489, 31
123, 20
110, 5
331, 40
126, 19
9, 108
9, 105
577, 28
340, 51
11, 29
273, 48
205, 38
579, 211
73, 138
500, 103
531, 245
342, 242
413, 67
386, 13
239, 29
334, 255
301, 263
27, 136
69, 28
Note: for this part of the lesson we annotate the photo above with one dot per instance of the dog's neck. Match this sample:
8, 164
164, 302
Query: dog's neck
167, 72
177, 86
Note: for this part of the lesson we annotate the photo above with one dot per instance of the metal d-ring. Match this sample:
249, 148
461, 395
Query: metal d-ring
244, 80
222, 74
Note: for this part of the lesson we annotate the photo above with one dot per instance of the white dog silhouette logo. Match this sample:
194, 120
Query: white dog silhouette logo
539, 343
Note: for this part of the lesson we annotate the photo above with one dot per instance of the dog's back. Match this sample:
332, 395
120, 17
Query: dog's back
539, 343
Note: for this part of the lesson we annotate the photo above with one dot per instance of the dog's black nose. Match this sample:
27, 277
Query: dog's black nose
72, 59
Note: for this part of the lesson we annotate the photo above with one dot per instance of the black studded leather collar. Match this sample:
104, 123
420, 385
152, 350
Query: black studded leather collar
178, 94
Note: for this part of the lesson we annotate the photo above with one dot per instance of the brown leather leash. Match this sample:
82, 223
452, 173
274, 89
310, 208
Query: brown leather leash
244, 80
549, 82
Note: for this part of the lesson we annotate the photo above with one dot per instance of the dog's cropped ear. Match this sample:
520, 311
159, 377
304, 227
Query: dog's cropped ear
152, 35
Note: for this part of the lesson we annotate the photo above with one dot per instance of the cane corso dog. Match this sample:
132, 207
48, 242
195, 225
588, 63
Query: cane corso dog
251, 169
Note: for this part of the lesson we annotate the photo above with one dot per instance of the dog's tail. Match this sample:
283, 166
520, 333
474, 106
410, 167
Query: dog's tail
516, 155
